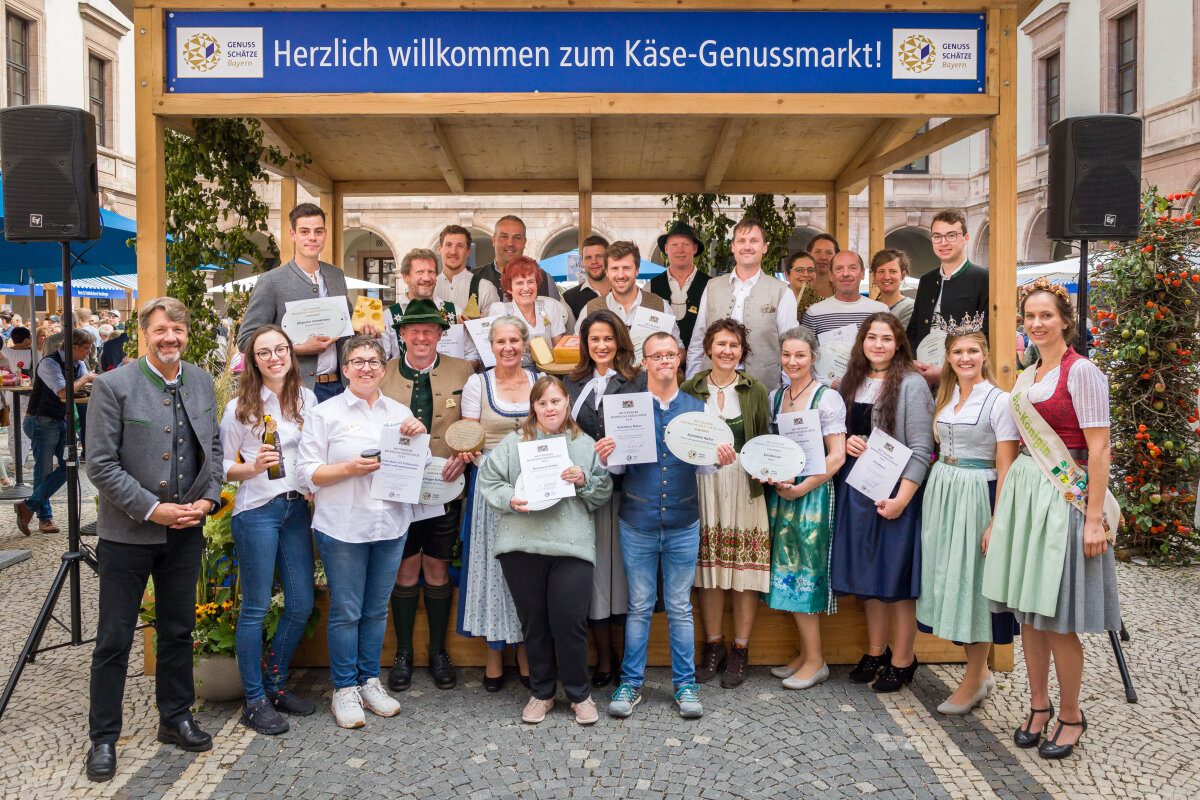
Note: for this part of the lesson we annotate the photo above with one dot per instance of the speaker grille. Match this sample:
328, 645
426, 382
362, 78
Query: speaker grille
1095, 178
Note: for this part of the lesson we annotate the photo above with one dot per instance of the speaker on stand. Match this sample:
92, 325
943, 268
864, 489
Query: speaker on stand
1094, 194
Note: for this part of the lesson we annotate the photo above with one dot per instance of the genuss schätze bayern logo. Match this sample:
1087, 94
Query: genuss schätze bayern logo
219, 52
935, 54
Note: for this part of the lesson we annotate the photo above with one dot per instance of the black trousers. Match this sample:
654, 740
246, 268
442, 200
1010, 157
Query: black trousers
124, 569
552, 595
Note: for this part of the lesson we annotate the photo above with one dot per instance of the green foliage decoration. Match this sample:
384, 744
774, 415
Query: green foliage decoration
705, 214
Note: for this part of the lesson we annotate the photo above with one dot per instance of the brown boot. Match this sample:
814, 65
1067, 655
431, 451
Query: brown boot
24, 515
712, 660
735, 673
47, 526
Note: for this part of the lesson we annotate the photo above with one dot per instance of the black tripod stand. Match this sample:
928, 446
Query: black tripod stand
68, 570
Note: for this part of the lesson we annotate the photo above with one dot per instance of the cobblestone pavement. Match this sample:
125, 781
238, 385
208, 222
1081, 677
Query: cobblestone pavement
760, 741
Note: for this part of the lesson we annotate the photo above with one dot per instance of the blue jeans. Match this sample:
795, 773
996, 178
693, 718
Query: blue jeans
361, 577
641, 552
272, 538
325, 391
48, 438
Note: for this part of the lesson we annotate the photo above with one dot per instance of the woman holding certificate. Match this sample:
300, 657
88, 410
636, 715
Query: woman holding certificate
877, 542
801, 512
977, 444
271, 523
360, 539
545, 316
498, 399
606, 367
735, 534
1048, 557
545, 481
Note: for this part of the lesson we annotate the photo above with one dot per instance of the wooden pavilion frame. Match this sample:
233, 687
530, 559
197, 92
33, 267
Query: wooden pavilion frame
592, 143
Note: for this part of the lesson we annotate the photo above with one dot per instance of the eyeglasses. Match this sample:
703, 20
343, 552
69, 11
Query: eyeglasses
951, 237
364, 363
662, 358
279, 352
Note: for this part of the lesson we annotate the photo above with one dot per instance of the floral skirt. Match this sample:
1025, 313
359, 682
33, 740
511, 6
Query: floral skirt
800, 552
735, 533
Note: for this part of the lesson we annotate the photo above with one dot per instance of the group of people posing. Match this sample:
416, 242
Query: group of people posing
969, 545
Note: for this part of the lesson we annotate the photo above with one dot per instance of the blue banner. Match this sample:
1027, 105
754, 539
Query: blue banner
575, 51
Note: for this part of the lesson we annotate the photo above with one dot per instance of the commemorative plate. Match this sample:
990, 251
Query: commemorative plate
772, 457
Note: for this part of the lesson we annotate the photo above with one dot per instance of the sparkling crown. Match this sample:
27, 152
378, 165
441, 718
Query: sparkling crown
970, 323
1042, 284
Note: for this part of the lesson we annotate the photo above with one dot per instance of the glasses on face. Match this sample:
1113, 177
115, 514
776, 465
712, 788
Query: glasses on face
279, 352
365, 363
663, 358
951, 237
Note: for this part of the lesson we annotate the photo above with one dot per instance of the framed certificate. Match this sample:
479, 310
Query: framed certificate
695, 436
402, 467
478, 329
318, 316
772, 457
878, 470
540, 483
832, 361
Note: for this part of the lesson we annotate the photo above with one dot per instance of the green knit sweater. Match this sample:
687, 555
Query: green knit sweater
563, 529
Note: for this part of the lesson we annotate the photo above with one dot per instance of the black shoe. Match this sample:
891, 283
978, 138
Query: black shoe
602, 679
400, 678
186, 736
712, 661
869, 666
291, 704
493, 684
442, 670
262, 717
893, 678
101, 761
524, 679
1026, 736
1052, 749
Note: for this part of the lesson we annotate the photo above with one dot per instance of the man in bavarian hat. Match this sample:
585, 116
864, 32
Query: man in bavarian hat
431, 385
682, 285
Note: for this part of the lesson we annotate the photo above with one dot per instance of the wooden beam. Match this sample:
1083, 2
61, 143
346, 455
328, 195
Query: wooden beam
312, 175
875, 211
585, 219
571, 187
718, 163
831, 213
617, 5
325, 200
150, 181
841, 219
583, 155
336, 231
287, 201
1002, 210
935, 139
443, 154
889, 134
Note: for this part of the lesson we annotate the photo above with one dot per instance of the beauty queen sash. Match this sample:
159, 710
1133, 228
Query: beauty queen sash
1053, 458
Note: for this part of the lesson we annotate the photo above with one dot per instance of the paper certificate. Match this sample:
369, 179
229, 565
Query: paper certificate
877, 470
454, 342
317, 316
478, 329
653, 320
629, 420
804, 428
932, 349
845, 334
542, 464
832, 361
403, 467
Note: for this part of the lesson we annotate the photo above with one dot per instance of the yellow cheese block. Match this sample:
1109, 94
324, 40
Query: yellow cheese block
567, 351
367, 311
541, 350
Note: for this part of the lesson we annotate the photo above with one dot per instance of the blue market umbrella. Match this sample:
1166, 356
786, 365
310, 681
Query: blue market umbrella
556, 267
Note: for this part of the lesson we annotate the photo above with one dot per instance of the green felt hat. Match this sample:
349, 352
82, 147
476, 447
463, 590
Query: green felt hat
422, 311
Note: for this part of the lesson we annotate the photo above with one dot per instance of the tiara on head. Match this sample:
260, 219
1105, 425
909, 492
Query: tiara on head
970, 323
1042, 284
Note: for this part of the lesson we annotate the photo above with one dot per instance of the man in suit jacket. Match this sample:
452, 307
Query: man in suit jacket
303, 278
431, 385
154, 455
681, 285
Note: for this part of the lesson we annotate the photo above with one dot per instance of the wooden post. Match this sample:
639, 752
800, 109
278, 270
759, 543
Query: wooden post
841, 220
875, 225
287, 201
830, 213
150, 183
51, 293
1002, 206
585, 220
325, 200
334, 223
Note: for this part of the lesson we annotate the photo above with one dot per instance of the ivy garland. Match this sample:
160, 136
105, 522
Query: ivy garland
704, 213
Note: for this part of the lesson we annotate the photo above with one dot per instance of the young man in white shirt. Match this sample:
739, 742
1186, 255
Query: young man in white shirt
621, 261
456, 284
596, 283
847, 306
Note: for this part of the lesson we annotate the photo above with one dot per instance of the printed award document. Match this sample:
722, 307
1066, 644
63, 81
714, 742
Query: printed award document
877, 470
403, 467
629, 420
318, 316
542, 465
804, 428
478, 329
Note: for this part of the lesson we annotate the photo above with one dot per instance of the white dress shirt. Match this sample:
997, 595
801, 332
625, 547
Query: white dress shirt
679, 292
628, 317
240, 439
338, 430
785, 315
457, 290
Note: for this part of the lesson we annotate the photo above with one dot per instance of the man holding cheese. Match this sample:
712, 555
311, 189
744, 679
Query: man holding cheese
303, 278
470, 294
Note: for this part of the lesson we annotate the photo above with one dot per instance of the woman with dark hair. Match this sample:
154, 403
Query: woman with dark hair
735, 534
545, 316
548, 555
877, 545
606, 367
271, 522
1048, 556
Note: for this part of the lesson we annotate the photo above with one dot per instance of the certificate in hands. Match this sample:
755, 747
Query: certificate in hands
804, 428
478, 329
629, 420
454, 342
542, 464
878, 469
318, 316
402, 469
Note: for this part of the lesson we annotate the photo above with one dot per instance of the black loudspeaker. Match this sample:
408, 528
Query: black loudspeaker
49, 174
1095, 180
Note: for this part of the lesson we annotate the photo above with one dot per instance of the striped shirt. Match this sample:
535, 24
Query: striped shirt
830, 314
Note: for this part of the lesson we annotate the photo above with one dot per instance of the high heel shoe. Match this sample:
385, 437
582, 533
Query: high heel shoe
1026, 736
1052, 749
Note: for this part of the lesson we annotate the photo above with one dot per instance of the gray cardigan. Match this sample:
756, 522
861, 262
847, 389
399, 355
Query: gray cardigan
914, 425
280, 286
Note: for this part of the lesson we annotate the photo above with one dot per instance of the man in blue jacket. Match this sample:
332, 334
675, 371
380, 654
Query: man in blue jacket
660, 523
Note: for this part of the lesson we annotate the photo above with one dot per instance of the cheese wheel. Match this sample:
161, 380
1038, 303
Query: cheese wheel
367, 311
567, 351
541, 350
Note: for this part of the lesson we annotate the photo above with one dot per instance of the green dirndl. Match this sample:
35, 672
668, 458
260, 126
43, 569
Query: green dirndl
800, 549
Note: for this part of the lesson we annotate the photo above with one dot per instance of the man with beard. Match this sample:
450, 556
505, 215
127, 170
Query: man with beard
621, 262
596, 283
155, 459
419, 270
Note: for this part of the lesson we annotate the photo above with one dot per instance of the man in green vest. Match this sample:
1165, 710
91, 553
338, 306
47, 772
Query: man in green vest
681, 285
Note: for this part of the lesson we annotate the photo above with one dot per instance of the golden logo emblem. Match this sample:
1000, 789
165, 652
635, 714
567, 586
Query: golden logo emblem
917, 53
202, 52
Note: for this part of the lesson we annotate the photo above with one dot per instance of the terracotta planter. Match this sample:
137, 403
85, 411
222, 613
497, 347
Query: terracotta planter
217, 679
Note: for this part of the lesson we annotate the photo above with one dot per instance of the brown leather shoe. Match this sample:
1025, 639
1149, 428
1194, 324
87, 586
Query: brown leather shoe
47, 526
712, 660
24, 515
735, 673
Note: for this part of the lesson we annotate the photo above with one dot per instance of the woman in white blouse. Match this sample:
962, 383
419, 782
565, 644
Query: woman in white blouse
360, 539
545, 316
271, 524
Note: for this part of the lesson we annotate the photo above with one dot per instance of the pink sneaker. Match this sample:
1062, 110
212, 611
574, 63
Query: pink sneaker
585, 712
535, 710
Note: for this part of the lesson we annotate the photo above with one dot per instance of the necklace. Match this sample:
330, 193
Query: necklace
792, 398
879, 371
726, 386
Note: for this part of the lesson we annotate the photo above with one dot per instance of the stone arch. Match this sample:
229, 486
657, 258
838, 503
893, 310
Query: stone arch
983, 240
915, 242
801, 237
368, 254
563, 240
1039, 249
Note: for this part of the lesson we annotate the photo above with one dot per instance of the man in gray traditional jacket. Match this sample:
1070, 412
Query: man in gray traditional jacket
154, 456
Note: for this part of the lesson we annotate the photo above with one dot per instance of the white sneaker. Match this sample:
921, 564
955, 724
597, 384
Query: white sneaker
348, 708
376, 698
